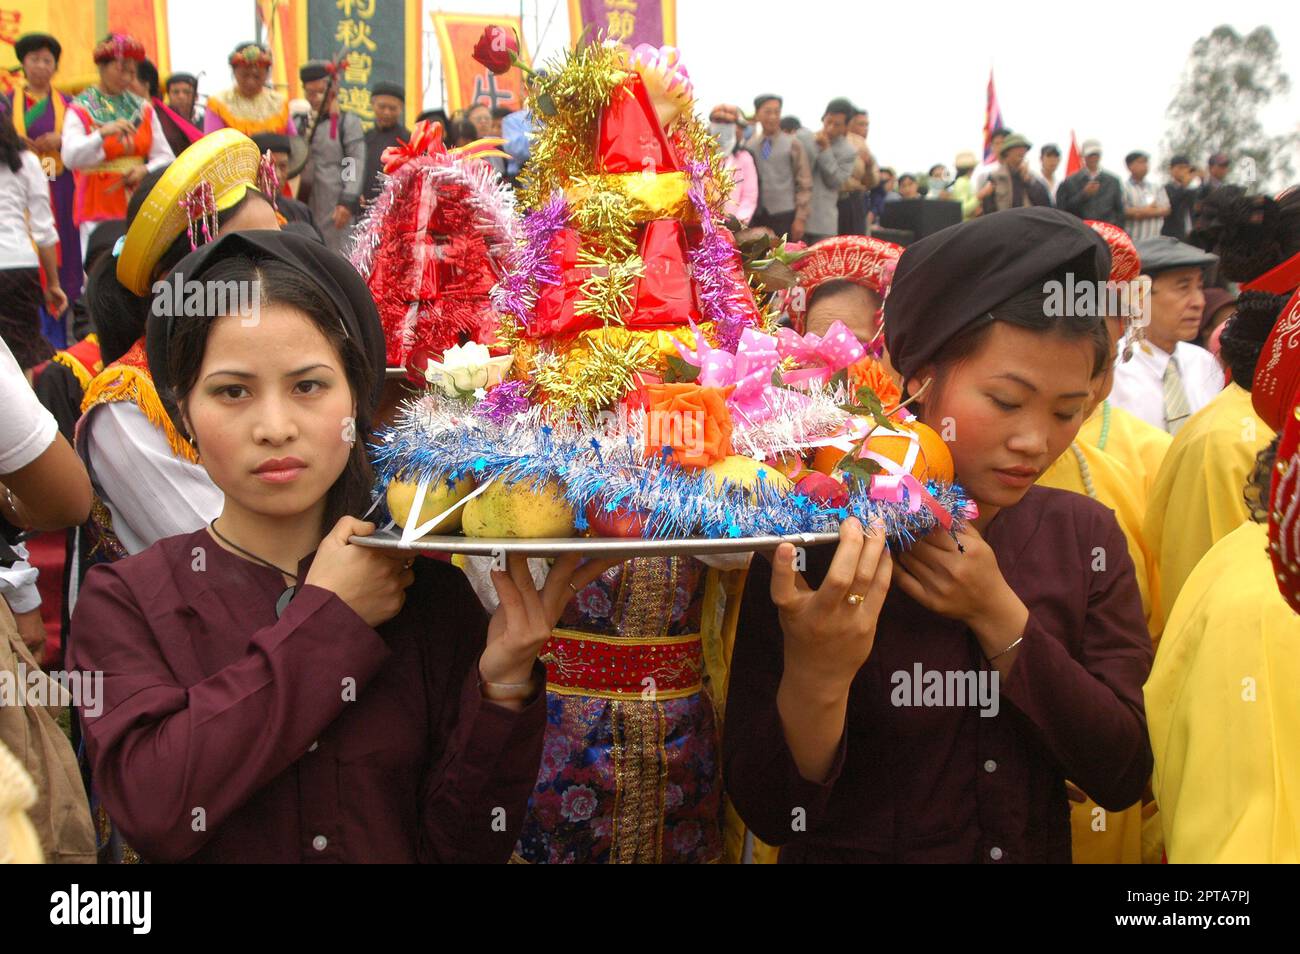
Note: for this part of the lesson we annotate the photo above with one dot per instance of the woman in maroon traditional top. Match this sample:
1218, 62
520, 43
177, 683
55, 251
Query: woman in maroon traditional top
270, 694
930, 707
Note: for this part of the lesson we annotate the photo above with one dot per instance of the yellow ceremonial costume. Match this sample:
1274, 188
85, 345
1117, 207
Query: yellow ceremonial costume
1222, 706
1137, 445
1099, 836
1197, 498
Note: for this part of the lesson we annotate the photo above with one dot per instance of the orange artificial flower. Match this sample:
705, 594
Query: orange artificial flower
868, 372
692, 420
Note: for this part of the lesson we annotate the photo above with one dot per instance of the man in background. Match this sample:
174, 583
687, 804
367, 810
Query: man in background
784, 173
336, 147
182, 97
387, 100
1183, 189
1092, 193
1049, 161
1146, 205
831, 157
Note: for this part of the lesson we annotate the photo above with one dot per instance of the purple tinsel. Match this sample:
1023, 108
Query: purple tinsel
710, 266
529, 263
505, 400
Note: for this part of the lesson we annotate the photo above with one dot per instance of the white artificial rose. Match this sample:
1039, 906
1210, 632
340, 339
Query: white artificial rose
465, 369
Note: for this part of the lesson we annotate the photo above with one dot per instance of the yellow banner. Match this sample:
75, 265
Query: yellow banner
468, 81
146, 20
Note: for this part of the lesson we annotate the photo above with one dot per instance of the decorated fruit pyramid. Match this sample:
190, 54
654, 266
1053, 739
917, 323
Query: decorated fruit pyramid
635, 384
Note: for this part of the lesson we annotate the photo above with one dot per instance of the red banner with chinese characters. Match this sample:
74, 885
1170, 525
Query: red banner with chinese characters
470, 82
630, 21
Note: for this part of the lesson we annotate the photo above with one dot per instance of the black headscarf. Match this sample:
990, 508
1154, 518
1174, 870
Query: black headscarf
950, 280
326, 269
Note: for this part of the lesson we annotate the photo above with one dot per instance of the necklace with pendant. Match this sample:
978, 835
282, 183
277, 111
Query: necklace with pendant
283, 602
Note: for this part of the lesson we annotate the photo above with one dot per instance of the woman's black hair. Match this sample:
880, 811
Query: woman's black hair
148, 74
1260, 481
118, 314
1250, 233
1026, 309
1246, 332
11, 144
282, 284
834, 289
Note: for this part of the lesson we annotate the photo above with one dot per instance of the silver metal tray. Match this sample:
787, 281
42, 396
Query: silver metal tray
602, 547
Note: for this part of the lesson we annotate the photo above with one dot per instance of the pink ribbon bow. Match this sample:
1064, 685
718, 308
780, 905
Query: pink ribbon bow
819, 358
749, 369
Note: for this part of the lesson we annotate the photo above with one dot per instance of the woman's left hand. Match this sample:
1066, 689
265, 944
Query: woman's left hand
968, 585
523, 622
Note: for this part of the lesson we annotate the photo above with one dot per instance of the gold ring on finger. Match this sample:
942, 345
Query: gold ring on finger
855, 599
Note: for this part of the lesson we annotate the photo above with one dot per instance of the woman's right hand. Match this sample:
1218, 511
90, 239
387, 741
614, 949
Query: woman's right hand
372, 581
827, 637
118, 127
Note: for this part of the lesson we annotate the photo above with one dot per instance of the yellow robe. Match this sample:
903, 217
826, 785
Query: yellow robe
1098, 836
1222, 707
1198, 497
1137, 445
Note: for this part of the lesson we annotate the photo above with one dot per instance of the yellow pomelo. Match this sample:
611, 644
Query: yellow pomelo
438, 497
517, 510
743, 472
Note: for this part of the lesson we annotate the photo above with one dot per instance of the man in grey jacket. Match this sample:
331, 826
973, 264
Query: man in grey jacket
831, 156
784, 180
336, 162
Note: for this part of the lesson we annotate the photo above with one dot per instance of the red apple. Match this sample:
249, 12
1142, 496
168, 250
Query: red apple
822, 489
620, 522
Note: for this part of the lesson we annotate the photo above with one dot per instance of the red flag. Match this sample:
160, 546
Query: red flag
992, 120
1073, 162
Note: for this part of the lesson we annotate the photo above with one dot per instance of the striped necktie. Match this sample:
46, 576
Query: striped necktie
767, 147
1177, 410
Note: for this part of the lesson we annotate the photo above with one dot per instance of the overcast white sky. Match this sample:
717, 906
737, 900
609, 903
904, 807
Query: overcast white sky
1107, 68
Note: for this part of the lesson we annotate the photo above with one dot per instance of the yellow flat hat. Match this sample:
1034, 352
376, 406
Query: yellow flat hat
226, 158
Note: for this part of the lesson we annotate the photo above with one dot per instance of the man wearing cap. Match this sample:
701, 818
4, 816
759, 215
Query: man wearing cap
1168, 379
1092, 193
1013, 185
289, 153
784, 175
961, 189
1146, 205
1183, 190
336, 148
387, 100
182, 98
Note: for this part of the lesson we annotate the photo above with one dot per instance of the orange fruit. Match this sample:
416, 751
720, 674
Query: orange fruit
933, 459
827, 458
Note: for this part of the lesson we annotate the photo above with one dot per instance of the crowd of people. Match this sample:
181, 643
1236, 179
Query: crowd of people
1147, 433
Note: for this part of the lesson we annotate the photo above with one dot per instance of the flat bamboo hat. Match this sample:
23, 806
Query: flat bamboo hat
227, 159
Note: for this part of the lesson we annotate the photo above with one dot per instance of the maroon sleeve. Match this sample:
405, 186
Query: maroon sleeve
160, 751
760, 774
1088, 711
475, 795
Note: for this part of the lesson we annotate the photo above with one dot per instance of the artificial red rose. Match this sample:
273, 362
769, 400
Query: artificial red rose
416, 364
692, 420
496, 49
